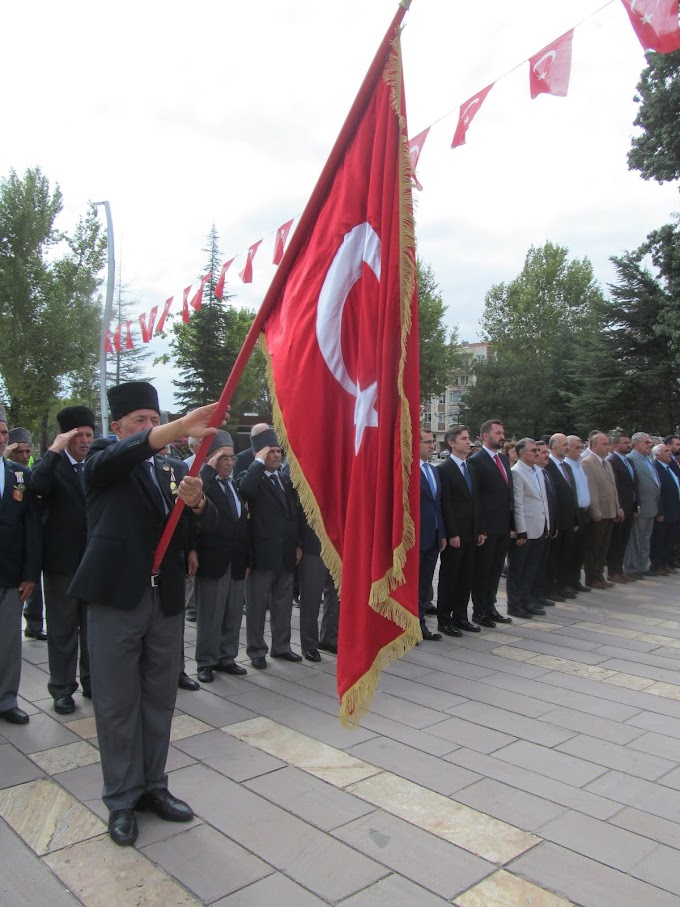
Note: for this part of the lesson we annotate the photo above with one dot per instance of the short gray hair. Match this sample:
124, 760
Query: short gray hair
639, 436
656, 450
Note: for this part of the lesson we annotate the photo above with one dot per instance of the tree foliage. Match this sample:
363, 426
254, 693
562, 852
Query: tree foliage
656, 152
535, 324
49, 308
126, 365
439, 349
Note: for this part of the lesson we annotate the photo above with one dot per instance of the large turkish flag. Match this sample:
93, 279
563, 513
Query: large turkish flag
343, 348
655, 23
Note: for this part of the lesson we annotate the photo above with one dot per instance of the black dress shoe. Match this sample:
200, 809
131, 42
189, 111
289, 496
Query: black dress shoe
35, 634
547, 603
86, 694
230, 668
499, 617
467, 625
521, 612
557, 597
430, 636
186, 683
535, 609
64, 705
287, 656
484, 621
449, 630
205, 675
567, 593
123, 827
327, 647
165, 806
14, 716
581, 588
311, 654
259, 662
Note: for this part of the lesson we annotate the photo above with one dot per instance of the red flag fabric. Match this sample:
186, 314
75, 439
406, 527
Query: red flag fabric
415, 146
246, 274
197, 299
185, 305
655, 22
550, 68
219, 286
116, 339
164, 314
343, 337
280, 244
107, 343
129, 343
468, 111
147, 329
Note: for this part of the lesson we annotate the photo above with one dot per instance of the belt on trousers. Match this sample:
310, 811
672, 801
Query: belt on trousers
155, 580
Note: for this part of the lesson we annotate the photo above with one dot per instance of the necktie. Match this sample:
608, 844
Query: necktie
652, 469
501, 468
280, 493
160, 500
430, 479
225, 485
566, 474
79, 468
466, 476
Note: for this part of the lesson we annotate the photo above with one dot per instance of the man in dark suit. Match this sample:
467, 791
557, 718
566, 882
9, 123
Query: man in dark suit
134, 616
432, 539
673, 441
19, 571
276, 534
666, 524
463, 531
560, 555
491, 470
59, 483
316, 585
220, 561
626, 487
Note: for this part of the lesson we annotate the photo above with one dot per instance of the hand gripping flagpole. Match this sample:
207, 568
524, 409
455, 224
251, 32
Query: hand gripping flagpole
307, 218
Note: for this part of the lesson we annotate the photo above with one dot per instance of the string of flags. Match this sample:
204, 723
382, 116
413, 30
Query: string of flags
655, 23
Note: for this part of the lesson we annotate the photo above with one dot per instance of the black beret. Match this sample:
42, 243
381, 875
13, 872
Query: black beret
131, 396
266, 438
75, 417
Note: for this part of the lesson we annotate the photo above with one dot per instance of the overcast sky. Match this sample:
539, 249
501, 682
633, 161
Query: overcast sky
182, 115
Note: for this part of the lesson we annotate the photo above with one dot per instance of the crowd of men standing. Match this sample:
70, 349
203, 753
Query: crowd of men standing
608, 511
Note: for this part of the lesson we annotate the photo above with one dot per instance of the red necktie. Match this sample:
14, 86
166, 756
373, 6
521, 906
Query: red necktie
501, 468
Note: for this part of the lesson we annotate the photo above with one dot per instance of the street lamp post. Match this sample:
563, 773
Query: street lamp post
106, 317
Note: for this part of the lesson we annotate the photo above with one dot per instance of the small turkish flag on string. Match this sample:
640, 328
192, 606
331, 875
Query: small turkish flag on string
107, 343
415, 146
129, 343
147, 329
164, 315
185, 305
246, 274
280, 244
468, 111
655, 22
550, 68
116, 339
197, 299
219, 286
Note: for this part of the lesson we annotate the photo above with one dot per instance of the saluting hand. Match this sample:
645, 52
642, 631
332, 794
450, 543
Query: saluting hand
61, 441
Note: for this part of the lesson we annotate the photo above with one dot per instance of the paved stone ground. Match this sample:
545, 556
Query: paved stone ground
533, 765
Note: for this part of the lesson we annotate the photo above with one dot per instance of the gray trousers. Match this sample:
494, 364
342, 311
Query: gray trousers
134, 658
219, 611
259, 586
10, 647
67, 620
636, 559
314, 578
33, 610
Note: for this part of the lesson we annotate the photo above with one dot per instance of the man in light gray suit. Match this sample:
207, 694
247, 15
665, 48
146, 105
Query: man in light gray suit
532, 527
636, 560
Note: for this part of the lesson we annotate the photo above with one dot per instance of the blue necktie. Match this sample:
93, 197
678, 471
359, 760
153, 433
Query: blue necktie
430, 479
466, 476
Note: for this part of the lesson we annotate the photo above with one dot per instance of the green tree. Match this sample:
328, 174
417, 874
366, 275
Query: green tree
656, 152
535, 324
205, 348
49, 308
439, 348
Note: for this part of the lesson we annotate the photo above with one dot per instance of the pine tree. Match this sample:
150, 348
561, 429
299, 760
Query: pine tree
126, 365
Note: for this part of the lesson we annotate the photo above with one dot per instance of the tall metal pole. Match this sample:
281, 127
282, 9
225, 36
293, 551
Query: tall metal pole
106, 317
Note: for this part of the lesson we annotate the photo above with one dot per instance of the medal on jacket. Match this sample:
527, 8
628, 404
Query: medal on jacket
18, 492
173, 482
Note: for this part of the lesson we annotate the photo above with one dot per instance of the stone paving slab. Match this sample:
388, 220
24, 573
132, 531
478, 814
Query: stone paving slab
534, 765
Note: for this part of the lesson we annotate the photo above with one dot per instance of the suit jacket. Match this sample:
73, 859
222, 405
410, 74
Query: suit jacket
229, 544
604, 501
276, 522
648, 490
19, 528
532, 514
431, 517
64, 536
243, 460
495, 493
552, 500
566, 498
126, 518
460, 507
626, 485
669, 501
